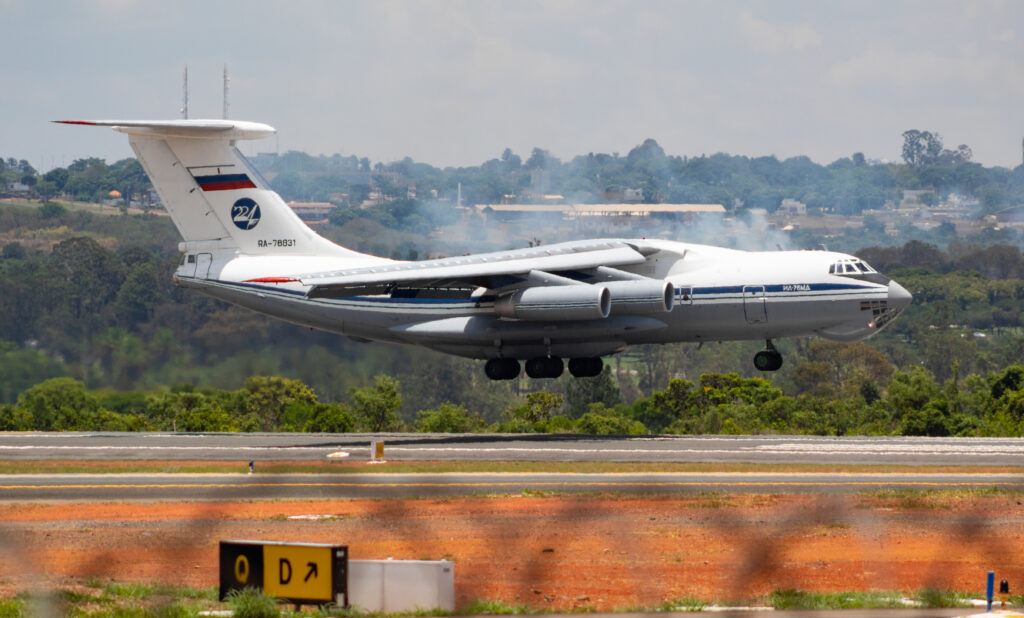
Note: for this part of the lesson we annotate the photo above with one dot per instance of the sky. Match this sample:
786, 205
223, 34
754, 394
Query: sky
454, 83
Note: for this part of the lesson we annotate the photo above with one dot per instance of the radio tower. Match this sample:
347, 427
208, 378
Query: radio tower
226, 81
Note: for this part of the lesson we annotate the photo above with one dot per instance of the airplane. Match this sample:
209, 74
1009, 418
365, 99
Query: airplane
579, 300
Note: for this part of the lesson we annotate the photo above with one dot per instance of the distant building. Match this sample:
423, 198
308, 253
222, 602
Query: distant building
912, 198
1014, 214
312, 212
792, 207
539, 198
627, 196
16, 189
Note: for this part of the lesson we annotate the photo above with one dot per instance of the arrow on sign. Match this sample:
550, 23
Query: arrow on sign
312, 571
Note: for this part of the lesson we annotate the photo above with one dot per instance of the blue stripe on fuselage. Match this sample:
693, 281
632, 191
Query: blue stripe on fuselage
786, 288
796, 291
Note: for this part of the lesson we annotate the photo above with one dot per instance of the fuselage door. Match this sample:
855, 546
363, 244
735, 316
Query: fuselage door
203, 262
754, 304
188, 268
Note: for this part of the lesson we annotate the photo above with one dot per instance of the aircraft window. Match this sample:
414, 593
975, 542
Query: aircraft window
832, 269
191, 259
850, 268
862, 267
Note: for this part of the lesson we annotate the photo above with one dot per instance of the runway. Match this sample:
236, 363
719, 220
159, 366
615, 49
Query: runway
223, 487
916, 451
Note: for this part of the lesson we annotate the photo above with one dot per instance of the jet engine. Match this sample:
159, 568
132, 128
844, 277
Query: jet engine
641, 297
556, 302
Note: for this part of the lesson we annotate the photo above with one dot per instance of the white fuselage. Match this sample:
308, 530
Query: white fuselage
720, 294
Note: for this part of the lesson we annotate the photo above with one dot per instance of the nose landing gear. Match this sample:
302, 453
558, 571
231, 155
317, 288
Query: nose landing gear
769, 359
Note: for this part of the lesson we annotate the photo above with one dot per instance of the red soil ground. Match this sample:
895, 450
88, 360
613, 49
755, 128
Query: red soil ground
550, 551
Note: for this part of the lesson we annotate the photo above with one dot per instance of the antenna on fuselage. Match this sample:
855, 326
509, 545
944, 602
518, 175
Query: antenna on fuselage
226, 81
184, 94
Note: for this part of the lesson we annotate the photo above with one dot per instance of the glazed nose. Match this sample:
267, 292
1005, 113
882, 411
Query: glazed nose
899, 297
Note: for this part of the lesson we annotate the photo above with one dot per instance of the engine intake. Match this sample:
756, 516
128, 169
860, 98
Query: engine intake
556, 302
641, 297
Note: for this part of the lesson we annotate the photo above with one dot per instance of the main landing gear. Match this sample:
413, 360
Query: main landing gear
768, 360
502, 368
543, 367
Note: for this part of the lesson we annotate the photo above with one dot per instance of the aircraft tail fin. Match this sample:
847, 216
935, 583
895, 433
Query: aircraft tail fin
212, 192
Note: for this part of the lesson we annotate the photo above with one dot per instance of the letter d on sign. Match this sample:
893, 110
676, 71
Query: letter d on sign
284, 571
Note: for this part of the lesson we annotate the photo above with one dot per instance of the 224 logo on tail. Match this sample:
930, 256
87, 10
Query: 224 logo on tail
245, 214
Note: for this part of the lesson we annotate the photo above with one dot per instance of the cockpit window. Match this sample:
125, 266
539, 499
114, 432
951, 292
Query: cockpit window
856, 268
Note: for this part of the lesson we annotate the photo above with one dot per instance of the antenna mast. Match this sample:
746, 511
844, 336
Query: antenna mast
226, 81
184, 95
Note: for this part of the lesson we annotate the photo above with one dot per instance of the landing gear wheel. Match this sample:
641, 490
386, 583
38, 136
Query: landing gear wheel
502, 368
586, 367
768, 360
544, 367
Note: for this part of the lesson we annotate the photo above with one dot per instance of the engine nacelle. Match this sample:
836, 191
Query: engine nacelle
556, 302
641, 297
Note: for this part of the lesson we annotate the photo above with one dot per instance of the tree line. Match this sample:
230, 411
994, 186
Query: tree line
849, 185
909, 403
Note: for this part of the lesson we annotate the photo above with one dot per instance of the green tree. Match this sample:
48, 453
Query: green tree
377, 407
679, 400
331, 418
580, 394
59, 404
22, 368
601, 421
139, 295
539, 407
448, 418
269, 396
13, 418
921, 148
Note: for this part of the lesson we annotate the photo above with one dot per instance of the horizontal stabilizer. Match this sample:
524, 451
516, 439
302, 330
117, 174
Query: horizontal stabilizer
195, 129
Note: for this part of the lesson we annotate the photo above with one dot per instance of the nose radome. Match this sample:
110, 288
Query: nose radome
899, 297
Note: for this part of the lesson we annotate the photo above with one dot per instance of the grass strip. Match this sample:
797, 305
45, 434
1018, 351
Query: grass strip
126, 599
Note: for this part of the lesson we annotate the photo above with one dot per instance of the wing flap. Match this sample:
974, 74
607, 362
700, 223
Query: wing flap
490, 270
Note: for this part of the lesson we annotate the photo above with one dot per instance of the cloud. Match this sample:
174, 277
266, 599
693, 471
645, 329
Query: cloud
928, 73
1006, 35
771, 38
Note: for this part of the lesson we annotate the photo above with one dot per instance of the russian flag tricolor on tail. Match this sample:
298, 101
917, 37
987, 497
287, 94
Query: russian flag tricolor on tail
224, 182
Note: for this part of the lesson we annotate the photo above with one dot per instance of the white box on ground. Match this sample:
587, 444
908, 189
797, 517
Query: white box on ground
392, 586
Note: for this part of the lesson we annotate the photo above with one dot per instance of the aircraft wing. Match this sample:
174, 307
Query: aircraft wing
499, 270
